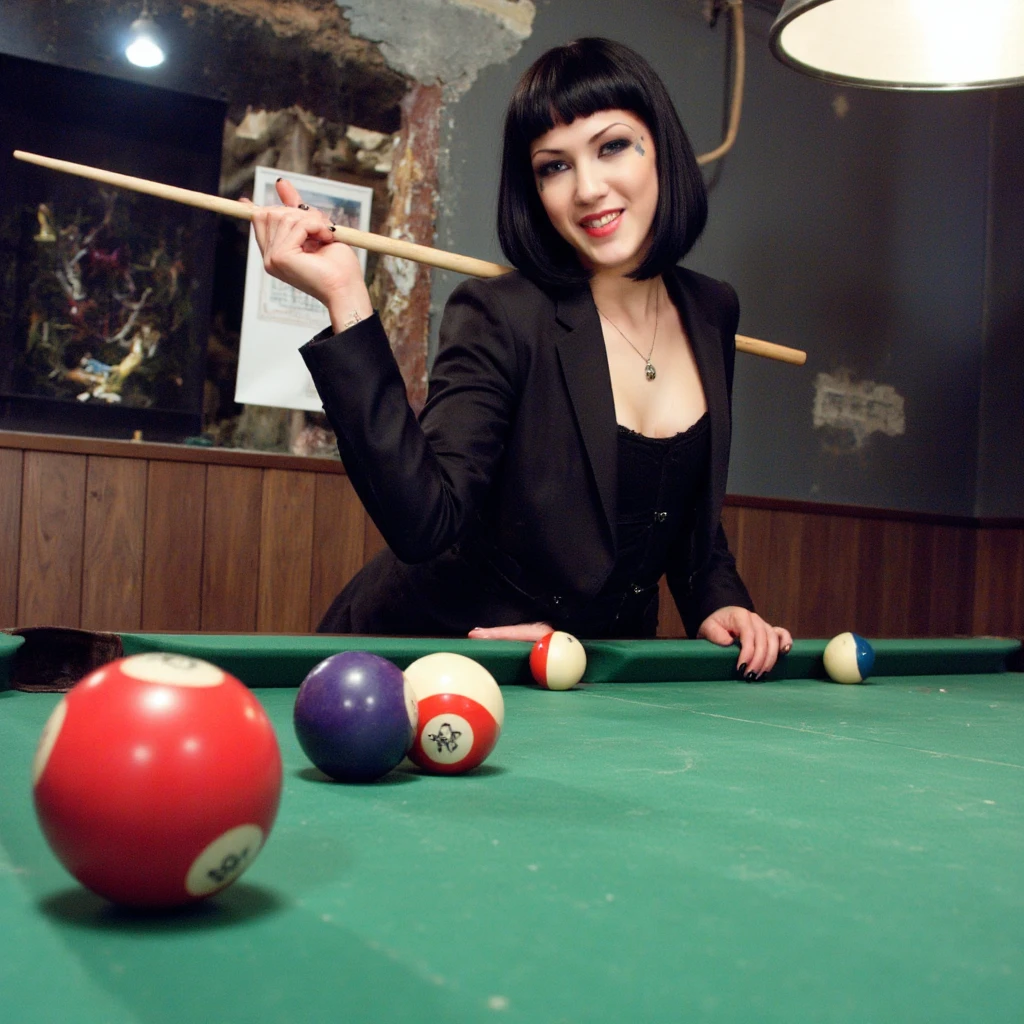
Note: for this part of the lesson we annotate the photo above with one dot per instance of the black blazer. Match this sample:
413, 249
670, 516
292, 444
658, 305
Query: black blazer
507, 481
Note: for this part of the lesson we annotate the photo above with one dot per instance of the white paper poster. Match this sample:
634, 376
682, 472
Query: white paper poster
278, 319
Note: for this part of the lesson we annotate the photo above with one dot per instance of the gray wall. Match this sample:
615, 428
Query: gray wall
880, 232
1001, 437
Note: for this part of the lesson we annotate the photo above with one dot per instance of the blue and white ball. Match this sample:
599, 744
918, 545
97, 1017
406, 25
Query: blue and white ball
849, 658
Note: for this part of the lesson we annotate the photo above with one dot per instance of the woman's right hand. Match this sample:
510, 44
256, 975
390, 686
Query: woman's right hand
298, 248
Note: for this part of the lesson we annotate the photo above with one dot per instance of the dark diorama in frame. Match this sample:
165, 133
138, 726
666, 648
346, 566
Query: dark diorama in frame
104, 294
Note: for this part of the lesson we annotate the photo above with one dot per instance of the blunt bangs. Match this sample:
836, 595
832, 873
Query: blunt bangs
573, 83
578, 80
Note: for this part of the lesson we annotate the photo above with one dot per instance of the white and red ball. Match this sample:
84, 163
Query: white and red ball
558, 661
157, 780
461, 713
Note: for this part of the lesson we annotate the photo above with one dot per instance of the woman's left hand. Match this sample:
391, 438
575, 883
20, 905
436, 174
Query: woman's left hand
760, 643
531, 631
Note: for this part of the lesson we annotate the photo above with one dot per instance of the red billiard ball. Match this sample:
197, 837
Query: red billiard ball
355, 716
157, 780
461, 712
558, 661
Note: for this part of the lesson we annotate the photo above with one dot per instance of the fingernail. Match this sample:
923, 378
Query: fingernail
760, 676
751, 676
331, 228
280, 179
303, 206
742, 668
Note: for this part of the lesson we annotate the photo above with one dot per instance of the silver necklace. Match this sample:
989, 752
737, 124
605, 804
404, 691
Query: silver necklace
649, 369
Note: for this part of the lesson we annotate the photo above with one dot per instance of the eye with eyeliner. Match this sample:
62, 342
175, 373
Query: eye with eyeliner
551, 167
610, 148
613, 146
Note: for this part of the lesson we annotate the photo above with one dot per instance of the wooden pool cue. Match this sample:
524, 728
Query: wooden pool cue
360, 239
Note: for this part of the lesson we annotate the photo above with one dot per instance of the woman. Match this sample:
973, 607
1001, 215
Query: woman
574, 445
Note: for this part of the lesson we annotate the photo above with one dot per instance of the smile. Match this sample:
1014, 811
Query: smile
602, 224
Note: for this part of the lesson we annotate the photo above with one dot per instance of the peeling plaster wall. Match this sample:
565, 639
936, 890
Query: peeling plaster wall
442, 45
443, 42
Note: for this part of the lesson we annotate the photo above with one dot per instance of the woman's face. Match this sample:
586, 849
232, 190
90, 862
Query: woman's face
598, 181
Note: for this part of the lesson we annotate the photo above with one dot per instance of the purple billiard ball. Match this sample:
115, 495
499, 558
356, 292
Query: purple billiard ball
355, 716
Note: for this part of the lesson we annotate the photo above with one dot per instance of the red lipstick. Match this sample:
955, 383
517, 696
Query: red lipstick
598, 230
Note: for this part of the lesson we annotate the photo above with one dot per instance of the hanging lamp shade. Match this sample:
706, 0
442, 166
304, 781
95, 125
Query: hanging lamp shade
904, 44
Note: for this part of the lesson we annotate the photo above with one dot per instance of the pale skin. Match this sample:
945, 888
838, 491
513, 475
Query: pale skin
597, 180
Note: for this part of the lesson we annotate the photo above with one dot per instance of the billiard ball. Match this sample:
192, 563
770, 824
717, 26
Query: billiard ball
355, 716
558, 661
848, 658
157, 780
461, 712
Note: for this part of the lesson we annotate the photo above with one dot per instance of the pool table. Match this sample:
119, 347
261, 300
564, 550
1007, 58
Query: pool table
662, 843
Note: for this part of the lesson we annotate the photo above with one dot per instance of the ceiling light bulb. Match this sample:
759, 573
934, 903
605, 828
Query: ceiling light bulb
143, 48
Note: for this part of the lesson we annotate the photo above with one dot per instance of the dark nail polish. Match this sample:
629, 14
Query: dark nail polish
742, 668
751, 676
331, 227
303, 206
280, 179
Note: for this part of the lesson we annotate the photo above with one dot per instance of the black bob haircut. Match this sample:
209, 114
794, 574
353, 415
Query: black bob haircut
577, 80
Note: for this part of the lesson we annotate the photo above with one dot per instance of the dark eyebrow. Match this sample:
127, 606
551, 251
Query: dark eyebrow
593, 138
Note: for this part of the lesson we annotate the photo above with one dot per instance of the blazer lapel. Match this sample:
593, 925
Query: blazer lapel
580, 346
706, 341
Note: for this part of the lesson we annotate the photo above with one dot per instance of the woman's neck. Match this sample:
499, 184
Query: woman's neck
619, 297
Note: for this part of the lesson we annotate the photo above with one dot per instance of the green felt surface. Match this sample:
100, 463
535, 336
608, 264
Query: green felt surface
795, 851
268, 660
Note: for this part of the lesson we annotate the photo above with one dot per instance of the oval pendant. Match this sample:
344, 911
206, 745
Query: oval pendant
651, 371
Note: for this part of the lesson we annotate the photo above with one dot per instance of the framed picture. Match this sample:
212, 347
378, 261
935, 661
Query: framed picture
276, 318
104, 294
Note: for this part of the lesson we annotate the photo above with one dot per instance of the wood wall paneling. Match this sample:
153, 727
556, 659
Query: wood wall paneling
871, 582
811, 617
999, 589
231, 548
111, 535
114, 544
173, 564
784, 598
955, 551
10, 535
286, 552
895, 594
52, 530
750, 540
841, 574
338, 542
924, 577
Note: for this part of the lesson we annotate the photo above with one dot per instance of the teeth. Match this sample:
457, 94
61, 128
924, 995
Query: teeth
600, 222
